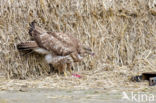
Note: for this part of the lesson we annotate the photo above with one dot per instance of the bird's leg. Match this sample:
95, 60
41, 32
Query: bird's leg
59, 69
65, 74
62, 69
65, 69
69, 66
75, 57
52, 69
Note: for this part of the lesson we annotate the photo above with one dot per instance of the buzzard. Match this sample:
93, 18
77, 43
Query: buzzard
59, 49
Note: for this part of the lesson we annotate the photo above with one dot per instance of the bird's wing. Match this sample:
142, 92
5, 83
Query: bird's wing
53, 44
57, 43
66, 38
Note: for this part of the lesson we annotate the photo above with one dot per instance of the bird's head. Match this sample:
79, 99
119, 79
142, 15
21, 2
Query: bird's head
83, 51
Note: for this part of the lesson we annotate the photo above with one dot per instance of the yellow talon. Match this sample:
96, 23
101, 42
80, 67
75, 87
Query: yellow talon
65, 74
70, 71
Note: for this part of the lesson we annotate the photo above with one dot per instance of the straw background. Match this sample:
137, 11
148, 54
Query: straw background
122, 33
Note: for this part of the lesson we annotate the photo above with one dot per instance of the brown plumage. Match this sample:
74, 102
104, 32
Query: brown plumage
60, 49
27, 45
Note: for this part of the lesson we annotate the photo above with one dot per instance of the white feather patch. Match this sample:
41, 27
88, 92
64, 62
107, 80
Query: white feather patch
80, 57
49, 58
41, 51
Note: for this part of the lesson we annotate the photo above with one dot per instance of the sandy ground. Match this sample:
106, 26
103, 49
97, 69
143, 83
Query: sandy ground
66, 96
45, 90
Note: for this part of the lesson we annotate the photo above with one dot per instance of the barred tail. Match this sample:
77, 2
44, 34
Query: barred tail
29, 45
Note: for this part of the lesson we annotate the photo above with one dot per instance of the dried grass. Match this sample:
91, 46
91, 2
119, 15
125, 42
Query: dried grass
122, 33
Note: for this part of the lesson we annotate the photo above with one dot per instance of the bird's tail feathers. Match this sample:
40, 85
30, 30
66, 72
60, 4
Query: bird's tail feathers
32, 27
29, 45
32, 24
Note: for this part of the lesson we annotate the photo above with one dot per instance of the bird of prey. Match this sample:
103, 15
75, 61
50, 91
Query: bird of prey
60, 49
